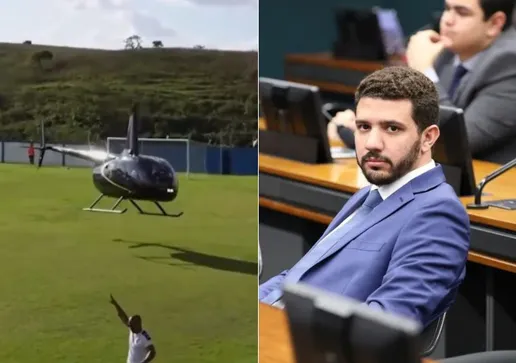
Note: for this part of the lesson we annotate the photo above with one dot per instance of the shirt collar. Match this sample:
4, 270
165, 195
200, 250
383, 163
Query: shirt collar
470, 63
389, 189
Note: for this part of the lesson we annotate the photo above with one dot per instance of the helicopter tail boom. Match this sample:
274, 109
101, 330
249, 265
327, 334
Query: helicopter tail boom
96, 156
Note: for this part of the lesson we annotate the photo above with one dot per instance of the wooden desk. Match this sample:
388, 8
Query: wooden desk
297, 201
346, 176
330, 74
274, 337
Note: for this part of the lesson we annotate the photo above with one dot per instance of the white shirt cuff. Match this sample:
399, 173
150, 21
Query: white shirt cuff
430, 73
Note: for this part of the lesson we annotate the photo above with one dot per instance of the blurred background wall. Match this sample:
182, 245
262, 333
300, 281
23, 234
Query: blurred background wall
307, 26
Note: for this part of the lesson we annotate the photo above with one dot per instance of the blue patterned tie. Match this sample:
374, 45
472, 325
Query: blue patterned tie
460, 71
319, 250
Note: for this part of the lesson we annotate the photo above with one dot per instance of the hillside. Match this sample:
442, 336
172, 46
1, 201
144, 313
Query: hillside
85, 93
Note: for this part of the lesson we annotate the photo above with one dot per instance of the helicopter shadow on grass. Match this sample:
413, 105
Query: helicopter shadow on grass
193, 257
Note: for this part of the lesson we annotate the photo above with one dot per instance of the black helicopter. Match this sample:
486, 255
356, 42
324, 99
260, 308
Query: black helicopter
126, 176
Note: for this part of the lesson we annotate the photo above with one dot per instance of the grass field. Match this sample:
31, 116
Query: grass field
193, 279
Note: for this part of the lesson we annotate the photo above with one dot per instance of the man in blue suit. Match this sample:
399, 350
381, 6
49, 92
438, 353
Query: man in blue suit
400, 244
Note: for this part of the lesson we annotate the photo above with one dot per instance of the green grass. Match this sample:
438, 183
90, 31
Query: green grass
81, 92
59, 265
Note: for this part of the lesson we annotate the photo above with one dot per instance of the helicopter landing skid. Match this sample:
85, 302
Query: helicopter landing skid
162, 214
121, 211
103, 210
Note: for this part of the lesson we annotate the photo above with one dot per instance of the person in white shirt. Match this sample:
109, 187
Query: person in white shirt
141, 347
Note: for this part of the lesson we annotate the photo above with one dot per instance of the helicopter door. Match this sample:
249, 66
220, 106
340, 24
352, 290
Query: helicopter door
116, 176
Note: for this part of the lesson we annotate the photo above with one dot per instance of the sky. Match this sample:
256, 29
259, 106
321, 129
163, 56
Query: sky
105, 24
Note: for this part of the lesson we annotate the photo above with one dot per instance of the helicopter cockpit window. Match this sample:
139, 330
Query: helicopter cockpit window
156, 173
160, 174
121, 172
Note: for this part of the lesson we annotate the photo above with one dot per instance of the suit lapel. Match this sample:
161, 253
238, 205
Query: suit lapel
353, 203
468, 83
382, 211
446, 70
477, 74
447, 76
397, 200
404, 195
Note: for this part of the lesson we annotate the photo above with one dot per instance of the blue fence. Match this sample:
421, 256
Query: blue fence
191, 157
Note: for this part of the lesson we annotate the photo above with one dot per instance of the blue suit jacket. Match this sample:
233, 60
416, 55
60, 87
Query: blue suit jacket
408, 258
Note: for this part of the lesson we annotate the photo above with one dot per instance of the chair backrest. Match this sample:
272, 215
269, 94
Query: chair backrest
431, 335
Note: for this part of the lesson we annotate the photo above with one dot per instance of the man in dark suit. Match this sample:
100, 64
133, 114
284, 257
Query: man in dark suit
473, 64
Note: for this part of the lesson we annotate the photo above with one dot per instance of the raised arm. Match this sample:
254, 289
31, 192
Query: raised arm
121, 313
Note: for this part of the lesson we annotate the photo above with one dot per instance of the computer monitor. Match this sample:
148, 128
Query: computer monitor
391, 31
325, 327
370, 34
452, 151
296, 128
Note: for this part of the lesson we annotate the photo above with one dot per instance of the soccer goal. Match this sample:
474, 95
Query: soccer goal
185, 155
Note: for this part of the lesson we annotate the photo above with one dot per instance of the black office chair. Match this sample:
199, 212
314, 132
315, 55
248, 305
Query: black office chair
431, 335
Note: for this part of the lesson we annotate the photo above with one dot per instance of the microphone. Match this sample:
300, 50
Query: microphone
495, 174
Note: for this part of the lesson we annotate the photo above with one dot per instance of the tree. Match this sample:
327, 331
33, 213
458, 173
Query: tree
157, 44
133, 42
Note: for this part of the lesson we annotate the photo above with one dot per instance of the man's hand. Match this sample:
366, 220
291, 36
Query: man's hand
121, 313
423, 48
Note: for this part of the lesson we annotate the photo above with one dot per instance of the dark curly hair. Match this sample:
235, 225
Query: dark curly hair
489, 7
404, 83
